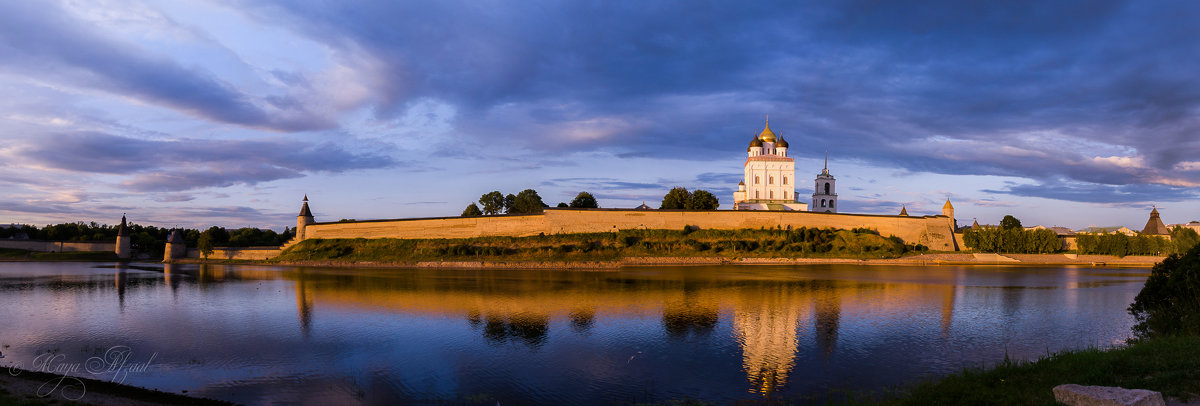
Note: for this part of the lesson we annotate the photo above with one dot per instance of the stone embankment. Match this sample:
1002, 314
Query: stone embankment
922, 260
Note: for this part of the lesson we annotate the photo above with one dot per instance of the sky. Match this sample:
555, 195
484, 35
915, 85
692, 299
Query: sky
199, 113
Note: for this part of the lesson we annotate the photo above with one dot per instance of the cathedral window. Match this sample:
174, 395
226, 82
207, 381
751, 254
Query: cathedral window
831, 203
756, 179
771, 194
785, 180
826, 188
755, 194
822, 202
770, 180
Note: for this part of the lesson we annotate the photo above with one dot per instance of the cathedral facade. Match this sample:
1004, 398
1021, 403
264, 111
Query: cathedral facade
769, 178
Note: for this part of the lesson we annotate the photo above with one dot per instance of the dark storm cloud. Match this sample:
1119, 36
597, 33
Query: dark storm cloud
1029, 89
185, 164
39, 40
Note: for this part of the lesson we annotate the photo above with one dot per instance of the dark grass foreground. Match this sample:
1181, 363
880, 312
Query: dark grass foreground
689, 242
1170, 365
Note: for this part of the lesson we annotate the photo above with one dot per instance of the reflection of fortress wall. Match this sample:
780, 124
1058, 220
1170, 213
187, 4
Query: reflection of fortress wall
936, 232
248, 253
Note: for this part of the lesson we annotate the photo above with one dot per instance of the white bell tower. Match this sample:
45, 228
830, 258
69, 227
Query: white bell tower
824, 198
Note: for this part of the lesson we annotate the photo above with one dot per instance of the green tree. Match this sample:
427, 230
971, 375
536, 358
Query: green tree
585, 200
205, 244
1183, 239
527, 202
493, 202
1009, 222
509, 201
219, 235
703, 200
561, 204
472, 210
677, 198
1169, 303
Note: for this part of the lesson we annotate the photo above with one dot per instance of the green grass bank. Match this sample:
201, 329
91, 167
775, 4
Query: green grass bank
689, 242
1170, 365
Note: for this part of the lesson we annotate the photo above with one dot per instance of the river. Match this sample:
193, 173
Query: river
262, 335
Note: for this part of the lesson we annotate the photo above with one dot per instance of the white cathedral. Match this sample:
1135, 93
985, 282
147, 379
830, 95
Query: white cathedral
769, 182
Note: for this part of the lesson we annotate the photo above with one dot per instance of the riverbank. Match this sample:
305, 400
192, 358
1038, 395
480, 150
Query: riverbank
11, 254
1167, 365
922, 259
21, 387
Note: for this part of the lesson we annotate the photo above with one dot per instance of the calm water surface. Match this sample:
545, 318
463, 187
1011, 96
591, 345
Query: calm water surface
265, 335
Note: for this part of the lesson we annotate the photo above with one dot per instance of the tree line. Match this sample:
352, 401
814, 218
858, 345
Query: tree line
1010, 237
150, 239
1182, 240
526, 202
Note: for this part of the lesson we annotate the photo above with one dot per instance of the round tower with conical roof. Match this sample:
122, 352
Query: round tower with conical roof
123, 249
304, 219
176, 248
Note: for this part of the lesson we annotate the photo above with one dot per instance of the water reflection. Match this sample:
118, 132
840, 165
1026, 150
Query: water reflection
713, 333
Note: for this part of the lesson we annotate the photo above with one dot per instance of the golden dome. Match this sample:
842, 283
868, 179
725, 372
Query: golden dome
767, 135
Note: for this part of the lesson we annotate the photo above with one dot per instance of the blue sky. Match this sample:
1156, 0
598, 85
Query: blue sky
194, 113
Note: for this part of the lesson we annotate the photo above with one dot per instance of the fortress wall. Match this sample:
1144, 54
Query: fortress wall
447, 227
932, 231
57, 246
247, 253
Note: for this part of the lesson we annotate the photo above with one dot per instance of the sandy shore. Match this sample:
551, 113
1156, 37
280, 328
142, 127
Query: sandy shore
924, 259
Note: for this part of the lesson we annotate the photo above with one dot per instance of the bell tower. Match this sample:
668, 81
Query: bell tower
824, 198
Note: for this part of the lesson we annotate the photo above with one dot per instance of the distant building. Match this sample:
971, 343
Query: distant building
1194, 225
1106, 230
769, 178
643, 206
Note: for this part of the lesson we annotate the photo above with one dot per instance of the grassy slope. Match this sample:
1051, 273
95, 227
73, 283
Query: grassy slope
821, 243
1169, 365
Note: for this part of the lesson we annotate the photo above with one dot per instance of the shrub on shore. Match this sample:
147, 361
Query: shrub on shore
1169, 303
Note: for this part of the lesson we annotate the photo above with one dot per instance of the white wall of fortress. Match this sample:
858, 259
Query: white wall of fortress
57, 246
935, 232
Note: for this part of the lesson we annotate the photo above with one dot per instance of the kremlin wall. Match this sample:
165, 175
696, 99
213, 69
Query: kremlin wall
935, 232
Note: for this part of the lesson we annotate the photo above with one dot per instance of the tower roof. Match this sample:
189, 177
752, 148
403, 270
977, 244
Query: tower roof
947, 205
766, 135
903, 210
1155, 226
304, 212
782, 143
122, 230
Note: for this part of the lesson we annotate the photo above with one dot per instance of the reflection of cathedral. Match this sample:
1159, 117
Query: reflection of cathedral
765, 326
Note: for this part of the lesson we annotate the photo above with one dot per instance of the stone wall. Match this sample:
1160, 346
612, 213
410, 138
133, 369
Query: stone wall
936, 232
238, 253
57, 246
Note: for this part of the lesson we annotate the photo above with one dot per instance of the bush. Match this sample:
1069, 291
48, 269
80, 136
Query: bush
1169, 303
